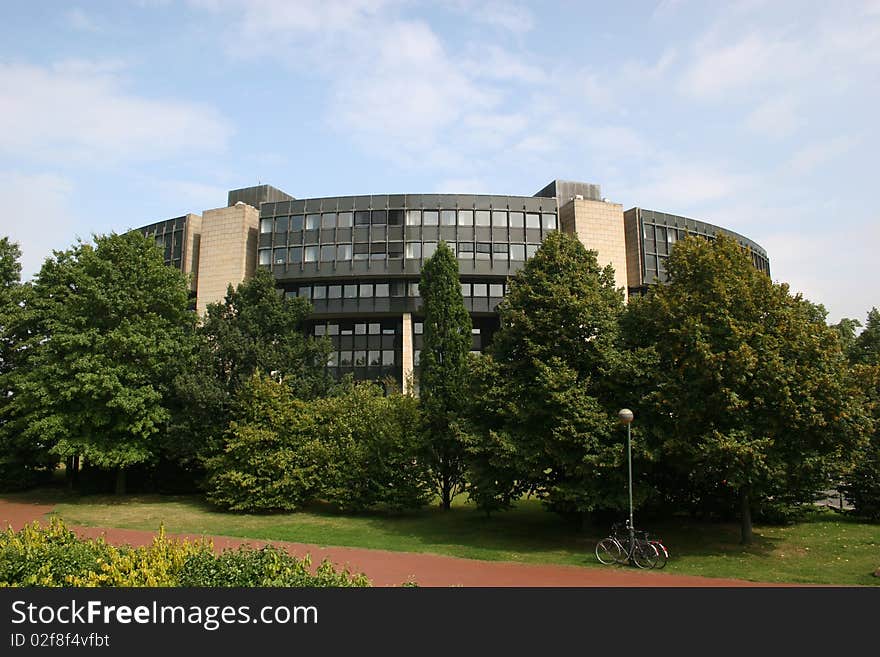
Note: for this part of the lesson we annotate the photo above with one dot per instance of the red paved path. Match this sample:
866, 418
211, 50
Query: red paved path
386, 568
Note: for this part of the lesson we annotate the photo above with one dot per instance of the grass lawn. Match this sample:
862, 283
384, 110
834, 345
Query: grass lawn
826, 548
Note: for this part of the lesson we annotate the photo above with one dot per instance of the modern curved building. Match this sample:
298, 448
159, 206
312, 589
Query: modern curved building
358, 259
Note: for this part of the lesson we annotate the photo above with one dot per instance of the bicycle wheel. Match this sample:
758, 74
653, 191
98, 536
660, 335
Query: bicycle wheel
662, 555
645, 555
608, 551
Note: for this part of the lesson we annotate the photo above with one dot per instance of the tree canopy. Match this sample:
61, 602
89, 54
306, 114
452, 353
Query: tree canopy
443, 378
750, 390
105, 329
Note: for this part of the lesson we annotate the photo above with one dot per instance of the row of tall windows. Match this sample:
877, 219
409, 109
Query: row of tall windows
295, 255
494, 218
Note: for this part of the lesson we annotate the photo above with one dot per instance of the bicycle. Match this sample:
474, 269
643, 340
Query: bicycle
662, 553
627, 547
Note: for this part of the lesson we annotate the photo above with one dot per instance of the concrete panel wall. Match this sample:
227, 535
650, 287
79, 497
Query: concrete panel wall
227, 251
191, 249
599, 226
407, 355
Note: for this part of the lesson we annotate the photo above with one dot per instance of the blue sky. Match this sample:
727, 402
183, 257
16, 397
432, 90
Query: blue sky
757, 115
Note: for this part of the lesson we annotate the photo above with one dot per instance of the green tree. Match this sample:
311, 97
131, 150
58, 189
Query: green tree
557, 352
356, 449
751, 390
21, 460
107, 328
443, 378
866, 347
254, 329
862, 486
846, 330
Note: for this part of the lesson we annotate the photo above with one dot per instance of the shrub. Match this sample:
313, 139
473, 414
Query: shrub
356, 450
55, 556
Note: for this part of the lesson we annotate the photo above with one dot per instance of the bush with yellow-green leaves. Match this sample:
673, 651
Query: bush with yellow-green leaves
53, 555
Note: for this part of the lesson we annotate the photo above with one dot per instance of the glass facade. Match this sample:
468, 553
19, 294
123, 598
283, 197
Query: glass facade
170, 237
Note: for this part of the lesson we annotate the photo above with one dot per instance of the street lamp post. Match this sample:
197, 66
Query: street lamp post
626, 416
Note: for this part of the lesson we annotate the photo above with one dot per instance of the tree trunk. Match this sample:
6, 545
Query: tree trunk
745, 510
68, 472
446, 494
75, 472
120, 481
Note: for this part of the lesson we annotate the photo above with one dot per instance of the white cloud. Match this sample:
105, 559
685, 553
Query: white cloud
807, 159
775, 118
504, 15
80, 20
39, 205
672, 184
804, 260
78, 111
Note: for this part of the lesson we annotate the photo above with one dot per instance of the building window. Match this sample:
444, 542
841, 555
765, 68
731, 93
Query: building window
382, 290
296, 222
362, 218
296, 255
548, 221
344, 219
413, 250
481, 290
517, 219
533, 220
499, 218
311, 254
413, 289
531, 250
350, 291
430, 218
418, 328
265, 256
482, 218
395, 249
466, 250
328, 252
320, 329
377, 250
361, 251
413, 217
266, 225
379, 218
428, 249
345, 359
465, 217
280, 256
313, 221
334, 291
360, 329
328, 220
387, 357
281, 224
496, 290
343, 252
319, 292
518, 252
395, 217
360, 358
417, 357
447, 217
483, 250
499, 251
366, 290
374, 328
374, 357
466, 290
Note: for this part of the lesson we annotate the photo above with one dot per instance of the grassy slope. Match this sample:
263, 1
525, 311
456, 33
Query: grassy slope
826, 549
